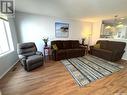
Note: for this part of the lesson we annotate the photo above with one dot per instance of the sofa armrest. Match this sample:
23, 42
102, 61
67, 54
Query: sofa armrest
117, 55
39, 53
83, 46
22, 57
53, 54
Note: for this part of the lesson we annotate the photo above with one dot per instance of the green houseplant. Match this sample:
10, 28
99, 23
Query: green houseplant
45, 39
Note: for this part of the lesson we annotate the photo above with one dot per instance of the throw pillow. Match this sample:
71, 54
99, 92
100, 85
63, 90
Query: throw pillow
55, 47
96, 46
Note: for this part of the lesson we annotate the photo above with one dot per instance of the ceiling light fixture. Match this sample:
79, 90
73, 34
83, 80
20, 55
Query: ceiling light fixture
117, 20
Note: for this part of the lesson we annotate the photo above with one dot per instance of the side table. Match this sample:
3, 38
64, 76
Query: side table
47, 51
86, 48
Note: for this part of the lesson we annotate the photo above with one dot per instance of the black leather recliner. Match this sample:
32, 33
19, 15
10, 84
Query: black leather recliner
29, 57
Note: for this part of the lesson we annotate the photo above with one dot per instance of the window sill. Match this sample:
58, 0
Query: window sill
4, 54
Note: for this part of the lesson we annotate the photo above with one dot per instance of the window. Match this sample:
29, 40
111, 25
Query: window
6, 44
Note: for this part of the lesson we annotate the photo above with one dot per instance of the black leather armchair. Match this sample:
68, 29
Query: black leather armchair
29, 57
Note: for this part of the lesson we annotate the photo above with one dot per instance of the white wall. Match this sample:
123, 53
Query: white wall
31, 27
96, 31
8, 60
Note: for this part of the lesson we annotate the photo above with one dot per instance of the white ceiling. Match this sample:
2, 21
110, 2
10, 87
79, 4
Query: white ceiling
74, 9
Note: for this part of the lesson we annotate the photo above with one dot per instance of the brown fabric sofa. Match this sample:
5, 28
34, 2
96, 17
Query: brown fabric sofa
109, 50
67, 49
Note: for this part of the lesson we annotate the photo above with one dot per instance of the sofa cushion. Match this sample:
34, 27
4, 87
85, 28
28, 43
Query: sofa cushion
116, 46
75, 44
26, 45
97, 45
60, 54
24, 48
33, 59
29, 54
27, 50
58, 43
67, 45
103, 44
55, 47
75, 52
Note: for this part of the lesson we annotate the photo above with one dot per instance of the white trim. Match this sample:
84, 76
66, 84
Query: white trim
8, 69
124, 58
8, 52
8, 35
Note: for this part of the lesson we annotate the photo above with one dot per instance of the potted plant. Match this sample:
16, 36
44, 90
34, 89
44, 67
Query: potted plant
45, 39
83, 41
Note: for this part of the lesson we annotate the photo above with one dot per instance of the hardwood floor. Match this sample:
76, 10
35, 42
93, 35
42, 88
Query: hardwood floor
54, 79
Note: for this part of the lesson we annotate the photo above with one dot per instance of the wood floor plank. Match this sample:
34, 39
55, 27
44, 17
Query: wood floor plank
54, 79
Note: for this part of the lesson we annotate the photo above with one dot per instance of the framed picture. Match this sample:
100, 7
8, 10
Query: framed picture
61, 30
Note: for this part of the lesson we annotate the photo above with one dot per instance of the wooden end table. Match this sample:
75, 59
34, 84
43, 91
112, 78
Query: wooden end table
47, 51
86, 48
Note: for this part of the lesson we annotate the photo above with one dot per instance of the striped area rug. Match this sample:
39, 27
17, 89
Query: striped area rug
89, 68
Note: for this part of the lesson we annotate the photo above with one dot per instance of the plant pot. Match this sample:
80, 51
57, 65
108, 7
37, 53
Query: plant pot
46, 44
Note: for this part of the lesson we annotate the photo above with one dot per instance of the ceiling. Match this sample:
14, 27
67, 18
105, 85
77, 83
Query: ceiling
89, 10
115, 20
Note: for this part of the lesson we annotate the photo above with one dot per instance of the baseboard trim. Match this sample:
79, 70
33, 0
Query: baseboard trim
8, 69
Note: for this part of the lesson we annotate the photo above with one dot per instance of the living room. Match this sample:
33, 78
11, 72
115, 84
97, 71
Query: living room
56, 47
